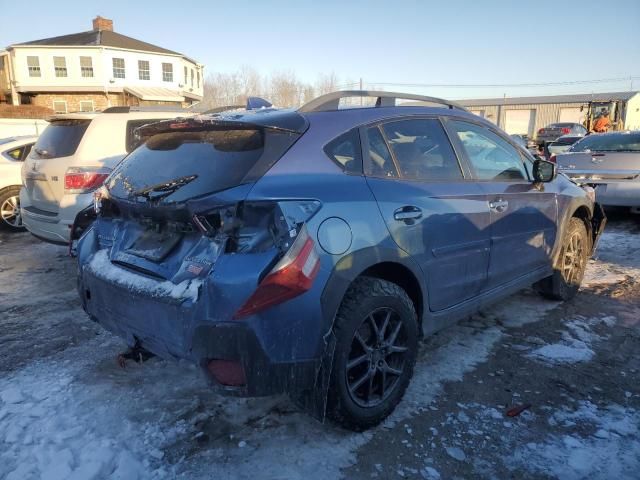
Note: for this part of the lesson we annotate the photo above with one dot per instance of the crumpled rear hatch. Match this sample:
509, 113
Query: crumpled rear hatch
168, 209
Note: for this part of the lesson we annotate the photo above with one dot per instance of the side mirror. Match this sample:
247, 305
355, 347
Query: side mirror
544, 171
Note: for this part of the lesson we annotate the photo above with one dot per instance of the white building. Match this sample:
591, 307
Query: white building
97, 69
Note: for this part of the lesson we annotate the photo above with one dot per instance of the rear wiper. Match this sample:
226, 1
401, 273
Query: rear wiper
42, 153
164, 189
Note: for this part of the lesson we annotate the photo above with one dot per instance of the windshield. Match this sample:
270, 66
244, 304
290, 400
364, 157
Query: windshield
176, 166
617, 142
60, 139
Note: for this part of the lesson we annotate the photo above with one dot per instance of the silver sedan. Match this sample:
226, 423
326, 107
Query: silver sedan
609, 161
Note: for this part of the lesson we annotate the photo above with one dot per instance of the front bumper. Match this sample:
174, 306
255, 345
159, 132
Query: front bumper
619, 194
173, 328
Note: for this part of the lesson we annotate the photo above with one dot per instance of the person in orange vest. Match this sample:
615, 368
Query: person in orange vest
602, 124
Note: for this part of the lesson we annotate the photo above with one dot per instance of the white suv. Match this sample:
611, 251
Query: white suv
13, 152
71, 159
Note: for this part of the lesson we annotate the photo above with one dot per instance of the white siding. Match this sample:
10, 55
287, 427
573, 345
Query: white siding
102, 69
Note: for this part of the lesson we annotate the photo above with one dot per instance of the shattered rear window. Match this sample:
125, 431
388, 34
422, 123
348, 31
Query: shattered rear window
183, 165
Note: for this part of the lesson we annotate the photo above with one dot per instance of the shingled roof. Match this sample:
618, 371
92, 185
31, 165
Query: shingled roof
100, 38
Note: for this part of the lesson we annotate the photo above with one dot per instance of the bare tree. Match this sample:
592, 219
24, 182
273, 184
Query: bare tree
282, 88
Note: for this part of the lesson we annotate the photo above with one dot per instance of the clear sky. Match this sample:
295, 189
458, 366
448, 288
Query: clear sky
448, 42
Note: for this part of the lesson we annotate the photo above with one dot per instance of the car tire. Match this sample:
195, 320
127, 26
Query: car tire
376, 332
10, 218
571, 264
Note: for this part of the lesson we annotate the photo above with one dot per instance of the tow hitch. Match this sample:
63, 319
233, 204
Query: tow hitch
135, 353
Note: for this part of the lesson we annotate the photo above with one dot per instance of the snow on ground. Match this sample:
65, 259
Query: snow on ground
576, 343
611, 449
615, 260
74, 414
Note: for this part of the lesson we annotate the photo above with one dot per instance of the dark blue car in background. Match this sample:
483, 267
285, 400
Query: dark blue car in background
307, 251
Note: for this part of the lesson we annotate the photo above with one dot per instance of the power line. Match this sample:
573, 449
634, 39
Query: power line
498, 85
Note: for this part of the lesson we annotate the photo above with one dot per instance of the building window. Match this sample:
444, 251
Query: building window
167, 72
86, 105
60, 66
185, 76
34, 66
192, 74
86, 67
143, 70
118, 67
60, 106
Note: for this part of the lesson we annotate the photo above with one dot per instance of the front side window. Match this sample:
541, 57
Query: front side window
422, 150
167, 72
143, 70
345, 151
491, 157
33, 63
118, 68
86, 67
380, 160
60, 66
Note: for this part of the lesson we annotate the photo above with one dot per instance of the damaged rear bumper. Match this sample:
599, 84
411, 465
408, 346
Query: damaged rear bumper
174, 328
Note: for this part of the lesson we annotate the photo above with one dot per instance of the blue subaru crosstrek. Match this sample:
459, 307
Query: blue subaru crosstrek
307, 251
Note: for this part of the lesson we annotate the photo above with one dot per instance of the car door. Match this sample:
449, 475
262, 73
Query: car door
433, 212
523, 214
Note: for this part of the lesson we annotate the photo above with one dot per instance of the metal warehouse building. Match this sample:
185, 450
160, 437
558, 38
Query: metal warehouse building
526, 115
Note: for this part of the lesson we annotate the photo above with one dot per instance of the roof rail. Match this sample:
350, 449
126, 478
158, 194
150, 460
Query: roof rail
331, 101
150, 108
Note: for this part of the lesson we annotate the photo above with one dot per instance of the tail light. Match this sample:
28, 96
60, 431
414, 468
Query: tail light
292, 276
541, 131
566, 131
552, 158
84, 179
227, 372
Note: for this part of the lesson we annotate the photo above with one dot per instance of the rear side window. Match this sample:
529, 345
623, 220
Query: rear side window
380, 161
176, 166
19, 154
345, 151
422, 150
60, 139
131, 141
491, 157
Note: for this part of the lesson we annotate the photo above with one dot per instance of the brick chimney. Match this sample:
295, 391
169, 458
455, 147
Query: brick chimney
100, 23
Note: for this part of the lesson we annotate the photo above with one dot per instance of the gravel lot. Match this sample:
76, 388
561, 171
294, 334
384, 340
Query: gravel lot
68, 411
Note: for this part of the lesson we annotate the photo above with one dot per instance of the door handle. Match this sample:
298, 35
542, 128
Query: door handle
408, 212
499, 205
